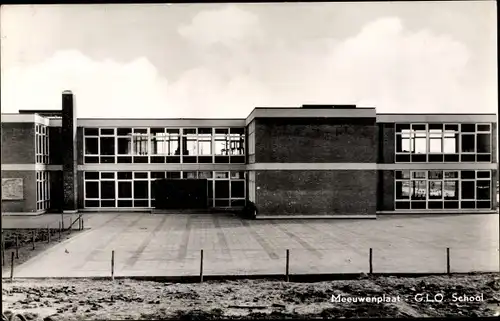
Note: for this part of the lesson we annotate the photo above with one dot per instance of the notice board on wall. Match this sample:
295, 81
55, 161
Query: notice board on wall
12, 188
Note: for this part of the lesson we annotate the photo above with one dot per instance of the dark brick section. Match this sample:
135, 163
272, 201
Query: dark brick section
494, 191
28, 204
386, 143
315, 140
69, 157
56, 148
494, 147
79, 145
18, 143
385, 191
80, 183
56, 191
318, 192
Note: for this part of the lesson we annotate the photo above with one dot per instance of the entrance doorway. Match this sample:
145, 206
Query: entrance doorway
180, 194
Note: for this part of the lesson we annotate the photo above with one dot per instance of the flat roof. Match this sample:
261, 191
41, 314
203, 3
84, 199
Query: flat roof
323, 111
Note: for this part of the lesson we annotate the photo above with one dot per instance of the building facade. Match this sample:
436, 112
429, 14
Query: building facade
315, 160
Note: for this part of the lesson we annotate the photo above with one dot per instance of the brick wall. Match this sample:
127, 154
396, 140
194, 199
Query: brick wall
79, 184
56, 191
79, 145
494, 147
316, 192
386, 143
28, 204
385, 191
56, 147
494, 191
320, 140
18, 143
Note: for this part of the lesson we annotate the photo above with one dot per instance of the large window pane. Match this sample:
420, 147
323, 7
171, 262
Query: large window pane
173, 143
205, 144
221, 189
190, 147
141, 189
125, 189
420, 145
237, 189
403, 190
107, 145
483, 143
140, 144
237, 144
158, 143
107, 190
419, 190
468, 144
483, 191
406, 141
222, 145
435, 190
91, 145
91, 189
450, 142
468, 188
125, 145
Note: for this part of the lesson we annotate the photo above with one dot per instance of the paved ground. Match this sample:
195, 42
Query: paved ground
169, 245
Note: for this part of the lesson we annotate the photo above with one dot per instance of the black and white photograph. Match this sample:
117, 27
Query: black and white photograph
241, 161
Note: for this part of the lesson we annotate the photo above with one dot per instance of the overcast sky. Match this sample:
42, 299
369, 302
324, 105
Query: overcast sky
222, 60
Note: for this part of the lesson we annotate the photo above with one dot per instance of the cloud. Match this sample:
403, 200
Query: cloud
103, 88
384, 65
228, 26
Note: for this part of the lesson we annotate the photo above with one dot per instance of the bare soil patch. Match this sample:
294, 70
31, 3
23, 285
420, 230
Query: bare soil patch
81, 299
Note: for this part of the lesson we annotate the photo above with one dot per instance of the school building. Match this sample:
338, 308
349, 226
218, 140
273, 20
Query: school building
313, 160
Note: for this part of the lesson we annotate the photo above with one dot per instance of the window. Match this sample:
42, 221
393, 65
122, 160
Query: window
468, 143
483, 142
124, 141
41, 144
435, 142
435, 189
117, 189
173, 142
161, 145
237, 138
91, 146
140, 141
190, 148
42, 190
158, 141
435, 138
222, 142
205, 142
251, 142
450, 139
420, 144
411, 142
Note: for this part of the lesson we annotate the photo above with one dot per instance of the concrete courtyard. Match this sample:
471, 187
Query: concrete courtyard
169, 245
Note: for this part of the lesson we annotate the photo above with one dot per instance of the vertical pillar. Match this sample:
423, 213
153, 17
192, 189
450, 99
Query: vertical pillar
69, 155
